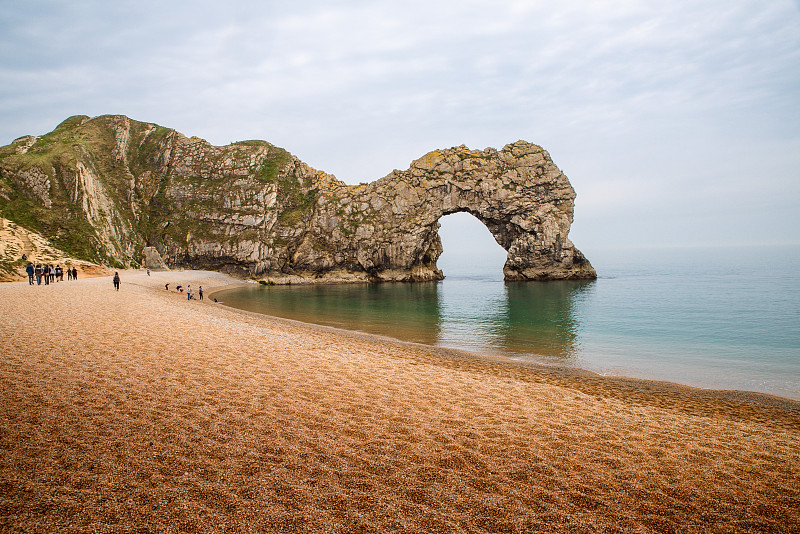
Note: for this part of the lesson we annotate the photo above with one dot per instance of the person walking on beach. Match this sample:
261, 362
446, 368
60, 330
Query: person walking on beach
74, 273
200, 292
38, 274
46, 274
116, 281
30, 270
189, 292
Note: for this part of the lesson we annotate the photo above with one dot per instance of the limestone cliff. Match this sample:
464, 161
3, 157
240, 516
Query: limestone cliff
106, 189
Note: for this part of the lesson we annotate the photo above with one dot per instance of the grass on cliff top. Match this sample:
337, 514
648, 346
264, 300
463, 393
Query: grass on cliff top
56, 150
270, 171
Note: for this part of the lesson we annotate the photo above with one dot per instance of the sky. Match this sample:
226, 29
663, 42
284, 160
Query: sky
677, 123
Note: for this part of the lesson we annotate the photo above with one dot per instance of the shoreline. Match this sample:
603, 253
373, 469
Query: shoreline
565, 370
223, 282
134, 409
643, 385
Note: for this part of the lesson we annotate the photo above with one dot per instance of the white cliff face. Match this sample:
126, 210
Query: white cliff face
252, 209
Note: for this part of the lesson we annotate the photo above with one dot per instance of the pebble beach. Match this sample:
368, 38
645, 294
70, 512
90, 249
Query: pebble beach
141, 411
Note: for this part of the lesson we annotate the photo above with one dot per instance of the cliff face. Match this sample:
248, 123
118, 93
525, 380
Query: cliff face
115, 191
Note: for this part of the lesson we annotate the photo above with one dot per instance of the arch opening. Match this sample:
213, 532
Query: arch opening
469, 250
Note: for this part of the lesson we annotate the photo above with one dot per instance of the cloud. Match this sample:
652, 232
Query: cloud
632, 98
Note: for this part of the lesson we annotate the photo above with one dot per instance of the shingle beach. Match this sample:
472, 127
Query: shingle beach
140, 411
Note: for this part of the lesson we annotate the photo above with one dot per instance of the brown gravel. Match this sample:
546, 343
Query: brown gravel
139, 411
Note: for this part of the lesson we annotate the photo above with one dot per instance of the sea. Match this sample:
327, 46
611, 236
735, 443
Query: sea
710, 317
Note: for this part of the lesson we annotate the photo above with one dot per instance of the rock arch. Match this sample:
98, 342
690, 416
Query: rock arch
388, 229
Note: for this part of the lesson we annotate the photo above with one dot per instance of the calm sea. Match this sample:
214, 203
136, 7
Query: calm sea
720, 318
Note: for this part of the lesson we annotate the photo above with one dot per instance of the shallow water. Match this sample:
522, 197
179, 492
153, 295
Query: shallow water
721, 318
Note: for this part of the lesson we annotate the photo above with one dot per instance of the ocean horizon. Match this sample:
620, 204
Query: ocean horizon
713, 317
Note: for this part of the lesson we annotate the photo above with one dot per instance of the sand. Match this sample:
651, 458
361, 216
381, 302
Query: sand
139, 411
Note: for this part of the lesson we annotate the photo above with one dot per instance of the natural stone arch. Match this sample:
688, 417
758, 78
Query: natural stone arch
389, 228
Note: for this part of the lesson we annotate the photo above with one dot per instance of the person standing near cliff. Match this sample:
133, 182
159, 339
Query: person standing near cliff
200, 292
116, 281
29, 269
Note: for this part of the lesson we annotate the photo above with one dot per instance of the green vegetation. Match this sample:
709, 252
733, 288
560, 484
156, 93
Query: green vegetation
12, 266
253, 143
296, 199
296, 206
137, 179
56, 155
70, 123
150, 148
277, 159
63, 224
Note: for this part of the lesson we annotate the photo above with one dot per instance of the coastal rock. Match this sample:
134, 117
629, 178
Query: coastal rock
152, 260
135, 190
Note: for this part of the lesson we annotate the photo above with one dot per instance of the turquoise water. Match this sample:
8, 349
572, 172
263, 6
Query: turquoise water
719, 318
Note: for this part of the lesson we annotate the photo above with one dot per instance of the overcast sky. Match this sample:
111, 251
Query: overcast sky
678, 123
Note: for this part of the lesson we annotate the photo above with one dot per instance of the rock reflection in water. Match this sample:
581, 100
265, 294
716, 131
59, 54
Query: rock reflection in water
541, 318
516, 319
405, 311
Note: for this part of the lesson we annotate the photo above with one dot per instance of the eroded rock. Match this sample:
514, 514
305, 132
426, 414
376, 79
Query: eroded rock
255, 210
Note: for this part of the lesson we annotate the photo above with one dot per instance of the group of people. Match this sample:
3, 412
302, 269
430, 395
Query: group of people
179, 287
38, 274
189, 294
46, 274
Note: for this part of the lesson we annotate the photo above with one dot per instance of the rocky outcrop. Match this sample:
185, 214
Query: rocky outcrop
389, 228
253, 209
151, 259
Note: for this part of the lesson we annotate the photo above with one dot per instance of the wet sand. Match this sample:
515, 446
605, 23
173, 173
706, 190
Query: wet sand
140, 411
